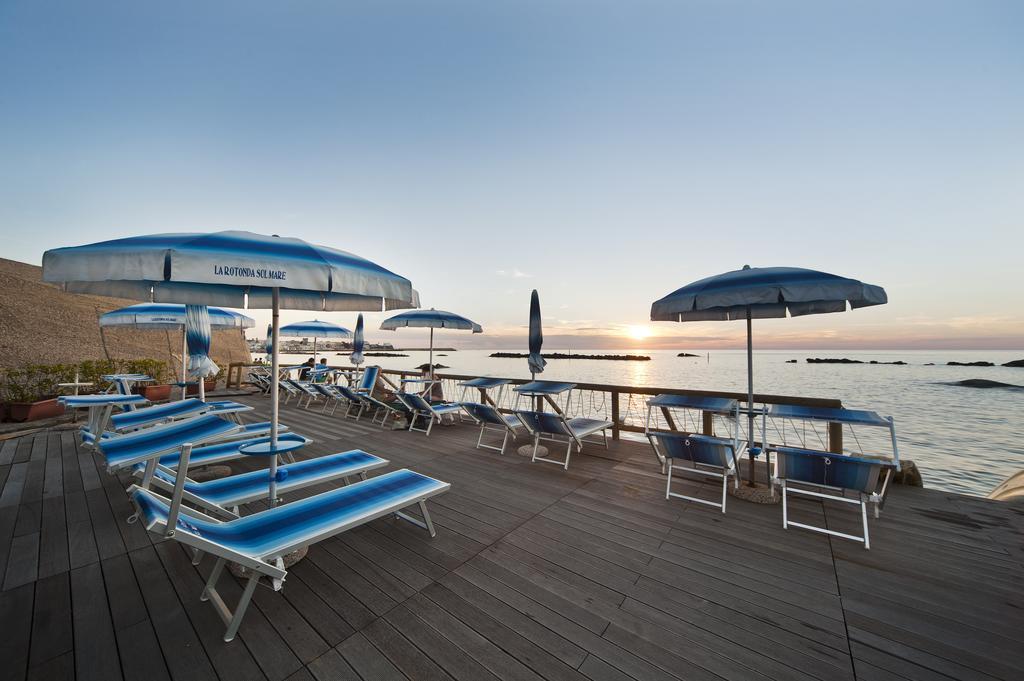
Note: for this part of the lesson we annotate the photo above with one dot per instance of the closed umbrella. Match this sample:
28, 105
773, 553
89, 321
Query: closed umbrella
358, 342
232, 269
316, 329
167, 316
763, 293
432, 319
535, 359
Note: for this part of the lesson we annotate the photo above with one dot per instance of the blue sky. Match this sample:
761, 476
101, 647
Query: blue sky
603, 153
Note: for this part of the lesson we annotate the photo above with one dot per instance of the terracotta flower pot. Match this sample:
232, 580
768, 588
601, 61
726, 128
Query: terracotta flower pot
154, 393
209, 385
33, 411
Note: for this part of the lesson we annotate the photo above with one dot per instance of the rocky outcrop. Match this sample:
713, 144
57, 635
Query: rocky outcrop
970, 364
563, 355
983, 383
1015, 363
41, 324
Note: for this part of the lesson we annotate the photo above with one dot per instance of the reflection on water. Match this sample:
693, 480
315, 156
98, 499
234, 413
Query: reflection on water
963, 439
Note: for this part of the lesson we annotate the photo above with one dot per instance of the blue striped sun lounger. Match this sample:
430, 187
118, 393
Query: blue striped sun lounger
217, 453
261, 540
419, 407
709, 457
552, 426
829, 477
489, 418
126, 450
100, 408
223, 496
160, 413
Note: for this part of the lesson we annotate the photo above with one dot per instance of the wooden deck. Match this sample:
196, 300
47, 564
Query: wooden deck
535, 573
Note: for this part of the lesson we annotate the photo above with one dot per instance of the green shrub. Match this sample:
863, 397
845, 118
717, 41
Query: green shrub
34, 382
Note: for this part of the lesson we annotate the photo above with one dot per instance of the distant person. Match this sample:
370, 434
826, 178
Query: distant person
321, 376
304, 373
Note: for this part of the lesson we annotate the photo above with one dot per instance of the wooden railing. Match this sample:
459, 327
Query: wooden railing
236, 371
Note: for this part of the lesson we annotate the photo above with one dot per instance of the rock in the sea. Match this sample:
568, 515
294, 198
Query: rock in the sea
984, 383
790, 361
833, 360
687, 354
908, 475
970, 364
1015, 363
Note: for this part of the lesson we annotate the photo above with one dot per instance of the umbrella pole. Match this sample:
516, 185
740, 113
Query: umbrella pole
750, 398
431, 359
274, 401
314, 352
184, 349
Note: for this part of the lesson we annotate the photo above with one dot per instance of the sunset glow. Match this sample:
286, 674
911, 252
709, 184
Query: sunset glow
638, 332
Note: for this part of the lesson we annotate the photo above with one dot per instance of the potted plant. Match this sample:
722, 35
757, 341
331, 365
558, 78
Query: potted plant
157, 391
31, 392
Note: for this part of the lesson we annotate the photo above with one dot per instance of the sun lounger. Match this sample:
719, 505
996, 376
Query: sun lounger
686, 414
173, 411
552, 426
830, 476
709, 457
261, 540
127, 450
289, 389
223, 496
331, 396
100, 409
369, 380
418, 406
218, 452
489, 418
307, 391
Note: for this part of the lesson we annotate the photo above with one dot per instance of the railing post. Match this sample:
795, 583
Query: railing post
835, 438
615, 414
707, 423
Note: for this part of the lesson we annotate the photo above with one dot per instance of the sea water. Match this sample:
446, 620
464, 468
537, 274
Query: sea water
963, 439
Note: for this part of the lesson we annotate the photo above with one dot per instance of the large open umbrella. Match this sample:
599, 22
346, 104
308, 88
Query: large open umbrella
763, 293
432, 319
358, 342
232, 269
170, 317
316, 329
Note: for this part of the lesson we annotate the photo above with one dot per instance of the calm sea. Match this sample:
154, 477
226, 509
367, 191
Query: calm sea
963, 439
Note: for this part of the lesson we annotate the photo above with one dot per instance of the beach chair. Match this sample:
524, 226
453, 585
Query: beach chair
260, 541
331, 397
290, 390
223, 496
686, 414
553, 426
830, 476
419, 407
100, 407
218, 452
126, 450
305, 391
709, 457
157, 414
382, 410
368, 381
489, 418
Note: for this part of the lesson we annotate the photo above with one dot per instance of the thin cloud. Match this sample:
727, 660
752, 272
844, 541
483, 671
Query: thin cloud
514, 273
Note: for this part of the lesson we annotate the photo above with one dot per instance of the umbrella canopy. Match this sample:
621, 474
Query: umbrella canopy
172, 317
316, 329
358, 342
535, 360
168, 316
764, 293
232, 269
432, 319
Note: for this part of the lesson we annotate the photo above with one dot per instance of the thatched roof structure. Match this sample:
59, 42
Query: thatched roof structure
39, 323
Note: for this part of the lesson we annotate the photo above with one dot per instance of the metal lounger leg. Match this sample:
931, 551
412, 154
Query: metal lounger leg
426, 523
785, 514
864, 519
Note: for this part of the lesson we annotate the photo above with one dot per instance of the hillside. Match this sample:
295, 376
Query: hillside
40, 323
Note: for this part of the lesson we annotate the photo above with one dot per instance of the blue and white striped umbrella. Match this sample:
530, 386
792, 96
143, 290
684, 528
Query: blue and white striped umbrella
168, 316
535, 360
432, 319
268, 347
316, 329
197, 337
232, 269
358, 342
764, 293
171, 317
